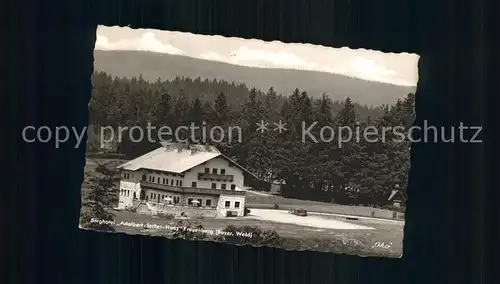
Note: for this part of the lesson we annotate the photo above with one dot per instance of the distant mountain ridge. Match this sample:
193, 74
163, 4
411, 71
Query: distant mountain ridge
165, 66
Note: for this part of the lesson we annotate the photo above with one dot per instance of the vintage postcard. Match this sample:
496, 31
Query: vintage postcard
247, 142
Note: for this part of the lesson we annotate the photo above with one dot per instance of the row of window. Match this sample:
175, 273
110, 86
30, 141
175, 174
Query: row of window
199, 203
160, 197
191, 201
124, 192
179, 182
227, 204
176, 199
215, 171
163, 180
214, 185
208, 202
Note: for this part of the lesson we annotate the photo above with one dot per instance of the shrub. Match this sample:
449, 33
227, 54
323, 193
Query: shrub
86, 220
166, 216
340, 245
259, 237
186, 231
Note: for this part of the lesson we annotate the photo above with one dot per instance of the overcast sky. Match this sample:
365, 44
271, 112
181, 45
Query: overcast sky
395, 68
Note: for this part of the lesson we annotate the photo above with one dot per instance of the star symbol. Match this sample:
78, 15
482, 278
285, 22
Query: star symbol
280, 126
262, 126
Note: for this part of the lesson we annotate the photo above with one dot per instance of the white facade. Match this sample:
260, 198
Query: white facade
231, 203
219, 164
216, 175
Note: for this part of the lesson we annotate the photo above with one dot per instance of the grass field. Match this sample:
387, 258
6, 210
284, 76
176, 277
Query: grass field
267, 202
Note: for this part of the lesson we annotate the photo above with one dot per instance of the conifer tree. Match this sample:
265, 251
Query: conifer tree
221, 109
162, 110
196, 113
100, 194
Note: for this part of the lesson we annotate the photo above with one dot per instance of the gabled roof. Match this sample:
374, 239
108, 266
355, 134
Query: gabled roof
239, 166
173, 157
177, 158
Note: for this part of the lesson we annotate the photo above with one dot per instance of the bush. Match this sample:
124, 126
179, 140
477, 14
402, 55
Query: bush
87, 216
340, 245
258, 236
166, 216
186, 231
246, 211
276, 206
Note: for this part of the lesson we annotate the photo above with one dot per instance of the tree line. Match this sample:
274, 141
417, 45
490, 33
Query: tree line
358, 172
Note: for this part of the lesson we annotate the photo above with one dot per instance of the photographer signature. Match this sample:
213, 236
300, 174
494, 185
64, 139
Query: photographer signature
382, 245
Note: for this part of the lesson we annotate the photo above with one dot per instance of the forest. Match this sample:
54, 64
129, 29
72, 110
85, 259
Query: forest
358, 172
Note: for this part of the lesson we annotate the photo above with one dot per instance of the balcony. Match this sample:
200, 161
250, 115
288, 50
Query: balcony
215, 177
190, 190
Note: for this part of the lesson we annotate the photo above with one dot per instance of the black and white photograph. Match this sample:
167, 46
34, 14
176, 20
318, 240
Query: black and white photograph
247, 142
